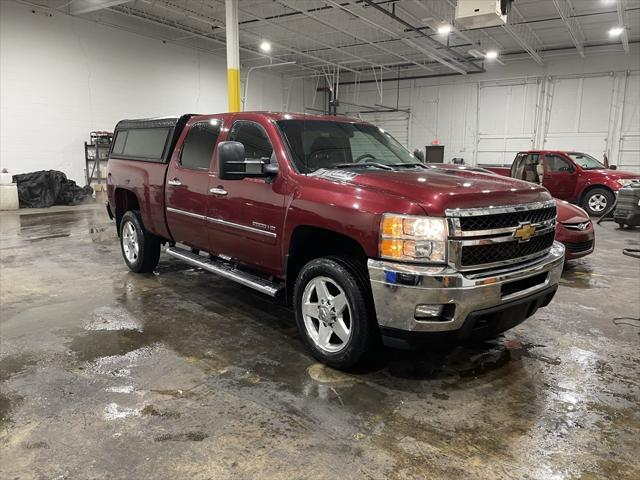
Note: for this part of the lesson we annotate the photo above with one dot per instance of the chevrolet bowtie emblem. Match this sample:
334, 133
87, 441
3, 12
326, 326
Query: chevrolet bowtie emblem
524, 232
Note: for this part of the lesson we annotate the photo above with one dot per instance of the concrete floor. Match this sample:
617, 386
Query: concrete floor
179, 374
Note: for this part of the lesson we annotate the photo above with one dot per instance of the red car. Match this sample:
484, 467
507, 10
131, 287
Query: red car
573, 176
575, 230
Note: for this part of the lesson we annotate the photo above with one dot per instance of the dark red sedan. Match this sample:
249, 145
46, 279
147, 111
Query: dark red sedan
574, 230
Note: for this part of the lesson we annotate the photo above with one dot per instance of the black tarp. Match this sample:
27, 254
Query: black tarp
49, 187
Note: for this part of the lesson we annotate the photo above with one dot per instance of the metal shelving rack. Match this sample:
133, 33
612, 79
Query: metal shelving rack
96, 154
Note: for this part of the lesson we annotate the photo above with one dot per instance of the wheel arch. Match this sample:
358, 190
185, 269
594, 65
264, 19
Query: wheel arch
587, 189
308, 242
125, 200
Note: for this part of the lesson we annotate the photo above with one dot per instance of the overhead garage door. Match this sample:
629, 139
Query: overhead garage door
580, 114
396, 123
629, 153
506, 117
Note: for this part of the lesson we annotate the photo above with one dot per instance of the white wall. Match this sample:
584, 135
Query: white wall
590, 105
62, 77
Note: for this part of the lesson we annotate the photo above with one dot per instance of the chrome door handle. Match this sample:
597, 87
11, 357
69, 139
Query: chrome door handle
218, 191
175, 182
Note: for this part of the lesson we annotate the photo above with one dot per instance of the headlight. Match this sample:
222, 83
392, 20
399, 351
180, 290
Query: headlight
412, 238
625, 182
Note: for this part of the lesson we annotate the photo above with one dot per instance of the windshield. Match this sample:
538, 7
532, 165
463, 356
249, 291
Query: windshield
585, 161
319, 144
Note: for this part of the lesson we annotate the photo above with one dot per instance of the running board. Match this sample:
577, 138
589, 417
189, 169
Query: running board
226, 270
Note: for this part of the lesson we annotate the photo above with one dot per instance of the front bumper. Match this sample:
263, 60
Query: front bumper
627, 217
398, 288
577, 243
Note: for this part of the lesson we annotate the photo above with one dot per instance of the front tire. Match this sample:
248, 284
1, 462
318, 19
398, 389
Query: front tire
334, 312
140, 249
597, 201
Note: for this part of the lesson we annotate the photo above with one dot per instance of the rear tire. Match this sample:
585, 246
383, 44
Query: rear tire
140, 249
334, 311
597, 201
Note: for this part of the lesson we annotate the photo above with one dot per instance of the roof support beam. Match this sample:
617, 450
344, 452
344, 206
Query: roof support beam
523, 35
351, 34
622, 20
80, 7
565, 9
452, 63
319, 42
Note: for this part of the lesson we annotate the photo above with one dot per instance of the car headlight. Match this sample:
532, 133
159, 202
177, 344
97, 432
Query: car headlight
625, 182
413, 238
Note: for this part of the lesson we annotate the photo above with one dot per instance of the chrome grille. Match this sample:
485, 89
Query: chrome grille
485, 238
478, 255
509, 219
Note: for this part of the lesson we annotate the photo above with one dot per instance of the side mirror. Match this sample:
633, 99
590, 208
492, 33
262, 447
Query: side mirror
613, 167
232, 164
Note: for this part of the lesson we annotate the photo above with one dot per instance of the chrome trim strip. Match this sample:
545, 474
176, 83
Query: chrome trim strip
223, 222
473, 212
498, 231
241, 227
188, 214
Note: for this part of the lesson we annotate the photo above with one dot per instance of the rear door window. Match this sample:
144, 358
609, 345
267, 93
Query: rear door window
146, 143
197, 149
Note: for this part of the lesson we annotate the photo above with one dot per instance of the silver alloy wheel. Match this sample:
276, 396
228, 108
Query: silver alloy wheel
130, 242
597, 202
327, 314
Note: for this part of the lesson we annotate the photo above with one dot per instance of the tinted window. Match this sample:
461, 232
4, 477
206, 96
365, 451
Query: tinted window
556, 164
319, 144
198, 146
118, 144
146, 143
254, 138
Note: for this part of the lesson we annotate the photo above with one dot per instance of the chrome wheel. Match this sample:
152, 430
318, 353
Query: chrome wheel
598, 202
327, 314
130, 244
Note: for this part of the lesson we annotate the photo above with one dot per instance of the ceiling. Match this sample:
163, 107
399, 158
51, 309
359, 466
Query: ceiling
370, 39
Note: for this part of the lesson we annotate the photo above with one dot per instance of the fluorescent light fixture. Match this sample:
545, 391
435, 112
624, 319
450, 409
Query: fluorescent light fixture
265, 46
616, 31
491, 54
444, 29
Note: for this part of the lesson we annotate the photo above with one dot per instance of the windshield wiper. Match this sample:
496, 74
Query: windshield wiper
362, 165
409, 165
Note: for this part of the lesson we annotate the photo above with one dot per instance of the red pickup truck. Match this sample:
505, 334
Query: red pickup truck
335, 217
573, 176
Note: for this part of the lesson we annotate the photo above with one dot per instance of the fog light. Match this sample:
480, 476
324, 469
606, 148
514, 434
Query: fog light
428, 311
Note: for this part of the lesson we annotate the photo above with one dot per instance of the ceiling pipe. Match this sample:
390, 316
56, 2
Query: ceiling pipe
392, 15
246, 82
413, 77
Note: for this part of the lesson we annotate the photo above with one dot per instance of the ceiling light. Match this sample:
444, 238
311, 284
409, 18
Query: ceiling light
444, 29
616, 31
491, 54
265, 46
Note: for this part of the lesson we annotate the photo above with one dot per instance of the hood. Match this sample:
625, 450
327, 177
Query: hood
437, 190
568, 213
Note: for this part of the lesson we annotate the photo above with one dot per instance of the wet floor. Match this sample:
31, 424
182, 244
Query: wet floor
180, 374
